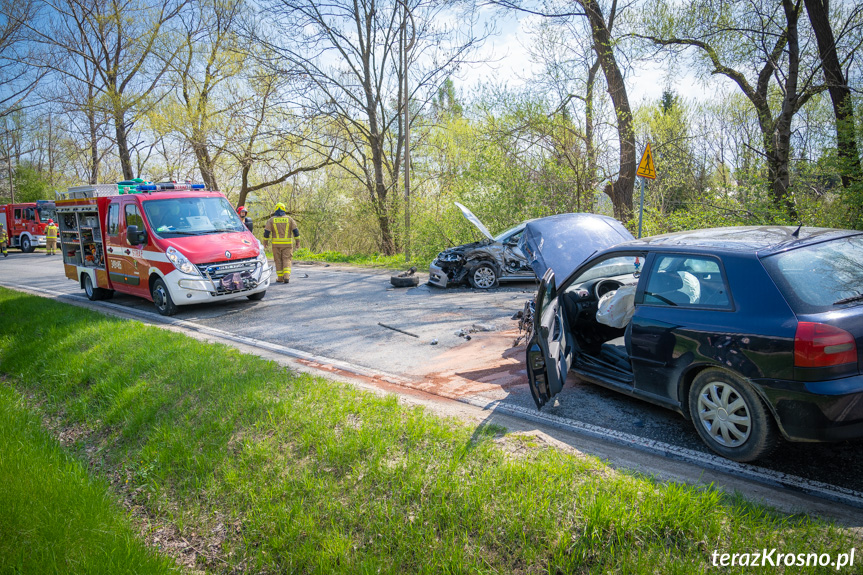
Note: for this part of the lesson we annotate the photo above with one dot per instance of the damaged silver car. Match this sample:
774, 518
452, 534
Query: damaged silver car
485, 263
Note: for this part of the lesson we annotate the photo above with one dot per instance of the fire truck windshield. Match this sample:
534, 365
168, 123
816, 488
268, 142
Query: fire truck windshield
46, 213
192, 216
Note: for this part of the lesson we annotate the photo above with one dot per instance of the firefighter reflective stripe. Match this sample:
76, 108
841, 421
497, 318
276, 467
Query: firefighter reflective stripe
3, 236
51, 232
282, 226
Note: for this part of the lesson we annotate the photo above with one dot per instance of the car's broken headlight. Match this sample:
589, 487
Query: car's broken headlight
449, 257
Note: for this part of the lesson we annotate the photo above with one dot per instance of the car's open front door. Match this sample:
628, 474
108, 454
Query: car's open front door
549, 351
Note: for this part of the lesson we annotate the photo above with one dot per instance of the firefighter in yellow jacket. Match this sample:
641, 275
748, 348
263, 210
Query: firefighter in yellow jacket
51, 238
3, 239
282, 229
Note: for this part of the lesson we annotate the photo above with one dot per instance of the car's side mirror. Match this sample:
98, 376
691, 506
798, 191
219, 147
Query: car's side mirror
134, 236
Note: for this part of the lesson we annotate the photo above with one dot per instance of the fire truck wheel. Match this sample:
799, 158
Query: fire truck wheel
26, 246
93, 293
162, 298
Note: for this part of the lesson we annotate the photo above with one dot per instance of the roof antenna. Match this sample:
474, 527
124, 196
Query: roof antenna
796, 233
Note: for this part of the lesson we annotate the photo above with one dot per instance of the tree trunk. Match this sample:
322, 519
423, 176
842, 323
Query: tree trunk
94, 147
620, 190
123, 145
205, 164
379, 193
840, 93
379, 199
244, 181
589, 134
777, 169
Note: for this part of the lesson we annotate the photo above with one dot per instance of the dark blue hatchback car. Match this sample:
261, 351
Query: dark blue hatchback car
754, 333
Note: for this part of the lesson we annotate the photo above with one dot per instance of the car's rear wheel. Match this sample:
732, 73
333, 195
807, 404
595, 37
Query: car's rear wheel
483, 276
94, 293
730, 417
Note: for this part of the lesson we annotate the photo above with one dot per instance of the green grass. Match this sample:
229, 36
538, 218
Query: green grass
268, 471
396, 262
54, 517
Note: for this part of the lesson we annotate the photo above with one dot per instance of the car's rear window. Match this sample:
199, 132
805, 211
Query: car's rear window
819, 277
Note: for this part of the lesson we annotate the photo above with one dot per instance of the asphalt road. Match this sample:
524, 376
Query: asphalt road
335, 312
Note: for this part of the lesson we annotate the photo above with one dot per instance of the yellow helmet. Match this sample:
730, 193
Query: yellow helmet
281, 206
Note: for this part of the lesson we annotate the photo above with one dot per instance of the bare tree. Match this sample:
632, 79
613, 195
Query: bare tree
17, 75
837, 84
601, 26
272, 144
209, 57
76, 94
734, 37
117, 42
348, 59
564, 47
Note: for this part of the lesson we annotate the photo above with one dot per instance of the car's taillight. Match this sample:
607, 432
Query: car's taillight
822, 345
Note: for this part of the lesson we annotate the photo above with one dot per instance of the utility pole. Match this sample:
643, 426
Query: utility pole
407, 47
9, 159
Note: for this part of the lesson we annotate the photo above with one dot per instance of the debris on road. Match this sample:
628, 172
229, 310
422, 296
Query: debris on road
464, 333
434, 342
398, 330
406, 279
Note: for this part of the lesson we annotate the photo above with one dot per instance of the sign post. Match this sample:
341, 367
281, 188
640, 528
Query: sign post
646, 170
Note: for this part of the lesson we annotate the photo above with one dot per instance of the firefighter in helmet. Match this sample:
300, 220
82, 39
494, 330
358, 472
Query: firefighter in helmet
51, 238
243, 213
3, 239
283, 230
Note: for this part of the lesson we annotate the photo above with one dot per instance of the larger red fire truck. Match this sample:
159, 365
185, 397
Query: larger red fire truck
173, 244
25, 223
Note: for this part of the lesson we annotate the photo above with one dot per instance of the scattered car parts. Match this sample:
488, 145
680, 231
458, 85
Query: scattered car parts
405, 279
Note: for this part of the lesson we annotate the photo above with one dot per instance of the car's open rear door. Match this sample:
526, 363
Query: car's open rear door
549, 351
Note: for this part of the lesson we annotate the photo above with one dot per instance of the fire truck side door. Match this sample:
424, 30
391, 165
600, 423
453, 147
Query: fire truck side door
114, 247
136, 268
121, 268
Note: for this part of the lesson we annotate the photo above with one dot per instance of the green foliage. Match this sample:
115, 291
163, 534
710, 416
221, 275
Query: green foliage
288, 473
30, 184
369, 260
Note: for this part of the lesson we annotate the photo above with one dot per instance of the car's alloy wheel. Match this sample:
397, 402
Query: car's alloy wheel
483, 277
730, 417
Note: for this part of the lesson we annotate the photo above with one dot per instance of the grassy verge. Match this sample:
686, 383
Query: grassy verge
396, 262
55, 518
260, 470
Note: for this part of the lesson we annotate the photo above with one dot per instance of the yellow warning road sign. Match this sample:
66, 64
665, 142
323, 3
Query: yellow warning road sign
645, 166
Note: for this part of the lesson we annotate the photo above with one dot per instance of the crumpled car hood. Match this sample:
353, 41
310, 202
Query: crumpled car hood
461, 250
565, 241
475, 221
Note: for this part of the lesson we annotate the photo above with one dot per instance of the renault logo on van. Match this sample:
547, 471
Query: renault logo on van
227, 254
